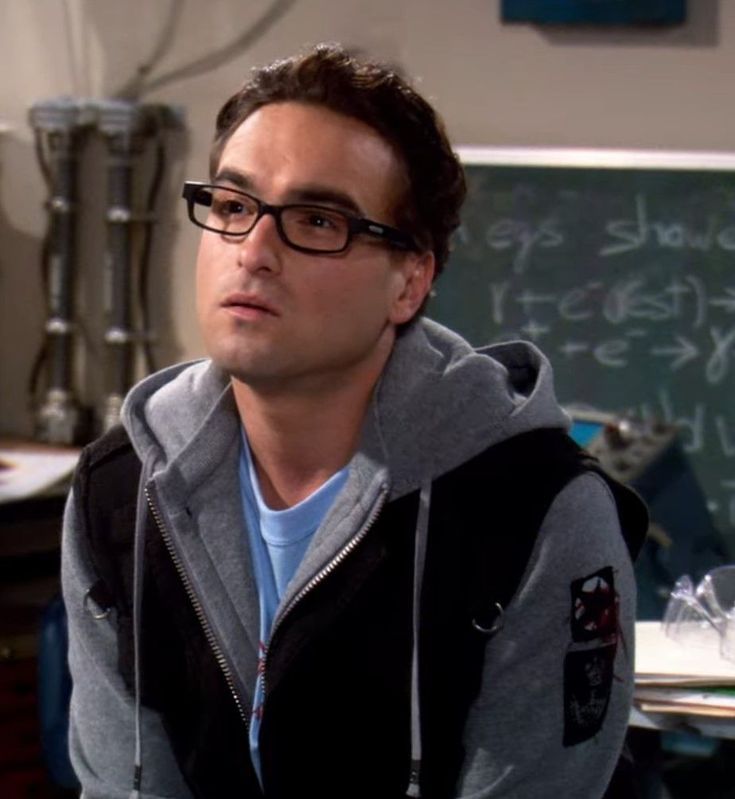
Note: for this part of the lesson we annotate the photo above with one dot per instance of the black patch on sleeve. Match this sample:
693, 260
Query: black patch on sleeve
594, 606
588, 676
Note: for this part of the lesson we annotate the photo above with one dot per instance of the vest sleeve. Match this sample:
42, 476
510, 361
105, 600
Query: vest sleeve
101, 723
558, 678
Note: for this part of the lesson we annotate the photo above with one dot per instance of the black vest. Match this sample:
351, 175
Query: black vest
337, 713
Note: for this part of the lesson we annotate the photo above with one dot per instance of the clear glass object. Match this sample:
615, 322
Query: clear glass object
705, 613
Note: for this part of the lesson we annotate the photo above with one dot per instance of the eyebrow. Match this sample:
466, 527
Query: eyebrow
326, 196
238, 179
309, 193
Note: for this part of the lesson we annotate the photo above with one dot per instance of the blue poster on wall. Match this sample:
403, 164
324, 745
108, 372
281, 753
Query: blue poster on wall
595, 12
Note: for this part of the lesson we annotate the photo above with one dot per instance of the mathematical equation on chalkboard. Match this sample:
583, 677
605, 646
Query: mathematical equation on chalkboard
626, 281
630, 308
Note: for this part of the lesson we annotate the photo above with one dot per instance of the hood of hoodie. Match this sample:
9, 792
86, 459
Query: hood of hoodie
438, 403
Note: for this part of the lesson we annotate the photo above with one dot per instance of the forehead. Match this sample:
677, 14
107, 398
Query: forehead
283, 148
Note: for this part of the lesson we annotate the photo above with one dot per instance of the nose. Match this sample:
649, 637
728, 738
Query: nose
261, 249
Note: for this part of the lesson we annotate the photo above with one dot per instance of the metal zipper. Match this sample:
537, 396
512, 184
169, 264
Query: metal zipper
198, 610
325, 571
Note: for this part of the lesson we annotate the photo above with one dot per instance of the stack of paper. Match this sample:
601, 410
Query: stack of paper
37, 471
686, 676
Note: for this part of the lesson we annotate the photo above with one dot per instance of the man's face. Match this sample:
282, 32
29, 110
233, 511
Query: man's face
271, 315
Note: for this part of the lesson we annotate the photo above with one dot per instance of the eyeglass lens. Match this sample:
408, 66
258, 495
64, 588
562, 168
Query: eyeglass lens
235, 213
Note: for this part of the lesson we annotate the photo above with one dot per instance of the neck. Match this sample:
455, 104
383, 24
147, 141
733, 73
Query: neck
300, 438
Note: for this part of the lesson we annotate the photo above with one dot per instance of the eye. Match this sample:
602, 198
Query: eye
228, 207
318, 219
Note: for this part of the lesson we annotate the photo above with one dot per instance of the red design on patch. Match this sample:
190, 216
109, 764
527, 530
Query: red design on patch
594, 606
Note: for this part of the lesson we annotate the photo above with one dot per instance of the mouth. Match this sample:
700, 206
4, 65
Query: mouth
248, 304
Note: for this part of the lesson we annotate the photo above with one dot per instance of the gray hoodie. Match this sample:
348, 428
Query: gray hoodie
438, 404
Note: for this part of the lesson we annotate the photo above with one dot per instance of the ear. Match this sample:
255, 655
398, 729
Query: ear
416, 273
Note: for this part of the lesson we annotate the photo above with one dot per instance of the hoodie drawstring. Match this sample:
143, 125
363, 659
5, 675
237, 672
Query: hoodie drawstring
422, 530
138, 562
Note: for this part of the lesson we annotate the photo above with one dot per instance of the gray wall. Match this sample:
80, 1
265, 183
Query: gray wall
496, 85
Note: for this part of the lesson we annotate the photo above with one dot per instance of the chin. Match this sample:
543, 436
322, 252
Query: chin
248, 368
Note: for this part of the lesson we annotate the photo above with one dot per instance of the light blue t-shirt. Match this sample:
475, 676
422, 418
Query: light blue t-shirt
278, 541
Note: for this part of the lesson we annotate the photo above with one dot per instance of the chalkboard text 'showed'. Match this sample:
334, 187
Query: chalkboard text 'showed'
624, 235
633, 233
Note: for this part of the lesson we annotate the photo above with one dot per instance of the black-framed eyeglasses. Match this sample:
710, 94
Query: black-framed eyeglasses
308, 228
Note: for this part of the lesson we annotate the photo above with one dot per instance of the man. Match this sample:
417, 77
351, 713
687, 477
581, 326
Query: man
362, 559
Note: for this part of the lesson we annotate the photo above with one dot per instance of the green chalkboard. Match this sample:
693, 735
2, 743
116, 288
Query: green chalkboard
624, 277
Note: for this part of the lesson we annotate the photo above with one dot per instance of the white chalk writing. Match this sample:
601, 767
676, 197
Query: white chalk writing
633, 233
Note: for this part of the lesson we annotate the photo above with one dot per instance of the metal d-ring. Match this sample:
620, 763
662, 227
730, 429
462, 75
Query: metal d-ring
496, 625
103, 614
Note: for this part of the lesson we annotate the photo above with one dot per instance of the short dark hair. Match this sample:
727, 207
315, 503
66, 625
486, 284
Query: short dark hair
378, 95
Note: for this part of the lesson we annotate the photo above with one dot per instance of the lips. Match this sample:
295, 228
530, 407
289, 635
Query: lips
248, 301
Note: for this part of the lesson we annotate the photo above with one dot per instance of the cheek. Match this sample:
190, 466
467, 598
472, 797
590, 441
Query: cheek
361, 297
205, 295
204, 274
